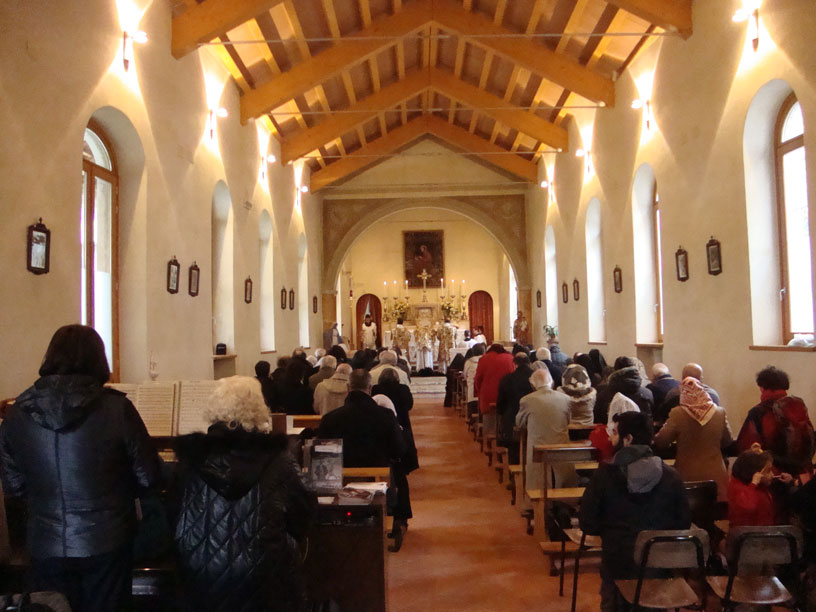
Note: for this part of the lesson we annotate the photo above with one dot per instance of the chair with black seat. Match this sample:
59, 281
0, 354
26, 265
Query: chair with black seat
755, 555
702, 499
665, 550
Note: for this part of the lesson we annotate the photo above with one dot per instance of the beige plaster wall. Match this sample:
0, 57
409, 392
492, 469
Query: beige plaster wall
60, 66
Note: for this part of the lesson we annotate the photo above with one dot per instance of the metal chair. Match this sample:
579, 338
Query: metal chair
702, 499
669, 549
586, 544
754, 554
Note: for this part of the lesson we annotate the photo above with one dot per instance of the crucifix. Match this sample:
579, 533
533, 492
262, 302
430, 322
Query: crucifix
424, 276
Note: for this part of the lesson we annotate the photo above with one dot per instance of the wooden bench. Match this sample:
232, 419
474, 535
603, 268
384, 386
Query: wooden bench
366, 474
306, 420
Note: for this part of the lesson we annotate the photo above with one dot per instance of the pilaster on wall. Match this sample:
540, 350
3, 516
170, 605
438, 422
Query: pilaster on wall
329, 311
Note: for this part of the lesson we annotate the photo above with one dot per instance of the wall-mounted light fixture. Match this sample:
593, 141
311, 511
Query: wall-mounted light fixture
304, 189
646, 105
750, 12
587, 155
544, 184
127, 45
215, 114
269, 159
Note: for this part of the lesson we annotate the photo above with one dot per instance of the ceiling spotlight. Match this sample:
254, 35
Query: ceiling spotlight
544, 184
636, 104
304, 189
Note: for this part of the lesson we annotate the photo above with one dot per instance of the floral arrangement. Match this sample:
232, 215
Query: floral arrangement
452, 310
399, 309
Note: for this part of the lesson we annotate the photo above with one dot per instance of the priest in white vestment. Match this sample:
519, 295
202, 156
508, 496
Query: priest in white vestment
368, 334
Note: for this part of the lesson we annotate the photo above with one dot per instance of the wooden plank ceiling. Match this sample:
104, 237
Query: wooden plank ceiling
345, 83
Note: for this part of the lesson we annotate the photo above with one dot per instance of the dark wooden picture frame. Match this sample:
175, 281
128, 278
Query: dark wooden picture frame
291, 299
248, 290
617, 279
681, 263
538, 298
424, 250
314, 304
38, 248
193, 279
714, 256
173, 272
564, 293
283, 298
576, 290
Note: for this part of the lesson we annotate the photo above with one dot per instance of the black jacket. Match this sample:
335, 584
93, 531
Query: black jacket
78, 452
512, 387
371, 435
659, 388
626, 381
637, 491
403, 401
242, 508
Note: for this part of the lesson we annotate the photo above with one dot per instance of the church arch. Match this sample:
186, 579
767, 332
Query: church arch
510, 245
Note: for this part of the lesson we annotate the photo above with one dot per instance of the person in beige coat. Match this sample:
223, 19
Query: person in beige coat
331, 393
701, 431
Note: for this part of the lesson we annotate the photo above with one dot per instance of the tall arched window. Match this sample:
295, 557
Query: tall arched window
646, 229
99, 228
594, 258
222, 268
303, 291
796, 291
551, 280
267, 288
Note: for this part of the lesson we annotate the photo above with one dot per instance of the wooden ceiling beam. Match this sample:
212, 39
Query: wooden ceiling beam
369, 154
205, 21
671, 15
493, 154
528, 54
495, 108
340, 123
347, 52
414, 129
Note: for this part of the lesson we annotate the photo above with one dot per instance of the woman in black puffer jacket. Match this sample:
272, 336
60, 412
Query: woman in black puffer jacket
78, 453
242, 509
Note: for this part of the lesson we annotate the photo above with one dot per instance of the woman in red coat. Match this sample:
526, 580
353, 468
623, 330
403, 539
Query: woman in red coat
492, 367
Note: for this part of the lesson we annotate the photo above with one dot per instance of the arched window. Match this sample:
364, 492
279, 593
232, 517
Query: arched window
303, 291
267, 288
648, 264
99, 227
594, 258
796, 291
551, 279
222, 268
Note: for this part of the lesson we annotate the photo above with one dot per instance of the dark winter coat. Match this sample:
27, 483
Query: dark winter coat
371, 435
626, 381
403, 401
637, 491
512, 388
242, 509
78, 452
558, 357
659, 387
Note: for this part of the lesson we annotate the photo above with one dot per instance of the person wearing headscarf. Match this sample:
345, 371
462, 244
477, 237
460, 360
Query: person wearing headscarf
545, 414
600, 436
583, 360
701, 431
453, 371
599, 366
292, 394
469, 370
576, 384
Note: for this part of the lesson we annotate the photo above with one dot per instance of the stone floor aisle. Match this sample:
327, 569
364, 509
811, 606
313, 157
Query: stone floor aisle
466, 548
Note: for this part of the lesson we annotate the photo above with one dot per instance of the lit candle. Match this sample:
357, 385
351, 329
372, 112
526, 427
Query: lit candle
385, 288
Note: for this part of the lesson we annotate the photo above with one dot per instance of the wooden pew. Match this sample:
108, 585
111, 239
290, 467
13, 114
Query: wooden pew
367, 474
306, 420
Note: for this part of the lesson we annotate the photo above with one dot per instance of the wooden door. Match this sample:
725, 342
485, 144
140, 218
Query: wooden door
369, 303
480, 313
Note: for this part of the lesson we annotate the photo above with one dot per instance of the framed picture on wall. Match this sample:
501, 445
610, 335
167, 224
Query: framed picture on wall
248, 290
538, 298
283, 298
714, 256
173, 268
423, 258
193, 275
38, 251
617, 279
681, 261
576, 290
314, 304
291, 299
564, 293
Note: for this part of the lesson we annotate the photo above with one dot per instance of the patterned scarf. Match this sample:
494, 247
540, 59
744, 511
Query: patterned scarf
695, 401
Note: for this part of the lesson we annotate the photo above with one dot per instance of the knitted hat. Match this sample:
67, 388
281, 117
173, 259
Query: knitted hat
575, 380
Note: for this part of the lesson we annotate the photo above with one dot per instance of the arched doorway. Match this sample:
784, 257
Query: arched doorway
369, 303
480, 313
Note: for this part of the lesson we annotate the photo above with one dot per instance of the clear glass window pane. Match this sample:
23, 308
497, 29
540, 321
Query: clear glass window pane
794, 124
103, 265
797, 232
659, 268
95, 151
83, 240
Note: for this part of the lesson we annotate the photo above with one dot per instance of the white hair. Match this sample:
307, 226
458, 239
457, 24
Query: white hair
329, 361
388, 357
319, 353
385, 402
237, 401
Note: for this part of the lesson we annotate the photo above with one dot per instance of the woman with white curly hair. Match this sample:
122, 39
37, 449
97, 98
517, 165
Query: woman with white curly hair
243, 507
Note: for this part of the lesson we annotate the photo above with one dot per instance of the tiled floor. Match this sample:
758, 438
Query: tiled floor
466, 548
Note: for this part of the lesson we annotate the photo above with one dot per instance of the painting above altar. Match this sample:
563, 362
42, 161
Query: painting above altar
423, 253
